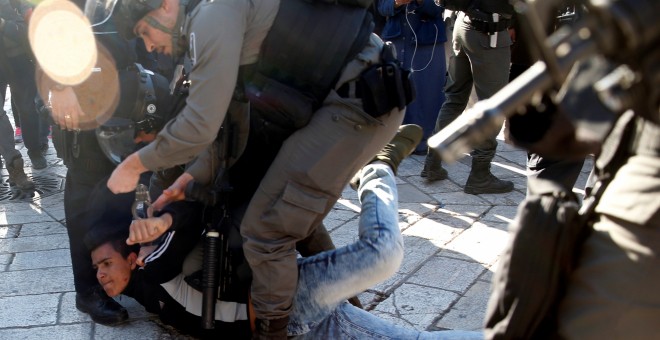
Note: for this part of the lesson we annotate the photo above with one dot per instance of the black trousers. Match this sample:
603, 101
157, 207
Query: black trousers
84, 172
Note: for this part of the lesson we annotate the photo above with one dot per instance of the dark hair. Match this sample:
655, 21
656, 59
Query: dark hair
119, 245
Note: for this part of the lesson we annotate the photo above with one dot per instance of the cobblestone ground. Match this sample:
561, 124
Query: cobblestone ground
452, 245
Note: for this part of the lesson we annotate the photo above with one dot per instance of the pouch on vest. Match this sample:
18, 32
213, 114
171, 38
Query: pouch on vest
385, 86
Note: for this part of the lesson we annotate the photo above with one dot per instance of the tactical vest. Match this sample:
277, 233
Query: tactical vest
303, 55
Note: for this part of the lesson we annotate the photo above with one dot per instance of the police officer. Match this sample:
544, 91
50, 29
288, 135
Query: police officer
75, 111
17, 65
481, 57
13, 158
320, 152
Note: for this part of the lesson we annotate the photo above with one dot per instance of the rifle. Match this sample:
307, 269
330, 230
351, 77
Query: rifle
217, 259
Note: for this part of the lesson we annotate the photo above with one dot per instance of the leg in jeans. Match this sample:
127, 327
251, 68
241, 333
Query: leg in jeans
325, 280
328, 278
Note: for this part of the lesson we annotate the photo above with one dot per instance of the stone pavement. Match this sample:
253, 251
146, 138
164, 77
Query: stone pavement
452, 244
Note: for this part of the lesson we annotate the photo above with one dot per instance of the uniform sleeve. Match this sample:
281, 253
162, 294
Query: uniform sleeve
202, 169
216, 37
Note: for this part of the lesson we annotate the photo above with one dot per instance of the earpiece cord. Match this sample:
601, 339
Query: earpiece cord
435, 41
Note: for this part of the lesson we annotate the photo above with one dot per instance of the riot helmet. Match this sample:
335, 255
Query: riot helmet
127, 13
124, 13
145, 106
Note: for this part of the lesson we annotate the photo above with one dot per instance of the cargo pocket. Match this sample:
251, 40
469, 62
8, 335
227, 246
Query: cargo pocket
297, 210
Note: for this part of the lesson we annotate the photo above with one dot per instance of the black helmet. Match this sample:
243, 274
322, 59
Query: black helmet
132, 11
145, 105
125, 13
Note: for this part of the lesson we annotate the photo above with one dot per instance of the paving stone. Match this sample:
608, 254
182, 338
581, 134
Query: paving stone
5, 260
34, 243
417, 305
506, 171
410, 166
134, 330
459, 198
59, 332
346, 234
9, 231
386, 287
42, 228
338, 217
68, 312
465, 213
481, 243
36, 281
368, 298
512, 198
447, 274
433, 187
499, 214
428, 229
418, 208
417, 250
410, 194
28, 310
19, 213
41, 259
468, 313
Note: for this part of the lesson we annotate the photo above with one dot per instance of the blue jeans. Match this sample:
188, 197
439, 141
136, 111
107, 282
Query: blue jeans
326, 280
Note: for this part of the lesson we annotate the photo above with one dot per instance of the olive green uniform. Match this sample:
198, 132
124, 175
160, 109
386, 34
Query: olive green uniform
314, 164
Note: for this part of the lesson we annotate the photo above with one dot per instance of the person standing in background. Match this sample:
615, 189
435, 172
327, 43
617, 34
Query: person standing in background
417, 30
481, 57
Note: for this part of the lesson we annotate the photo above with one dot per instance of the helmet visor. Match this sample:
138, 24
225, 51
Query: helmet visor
99, 11
117, 138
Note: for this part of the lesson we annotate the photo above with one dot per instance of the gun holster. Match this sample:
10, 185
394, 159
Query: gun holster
60, 143
387, 85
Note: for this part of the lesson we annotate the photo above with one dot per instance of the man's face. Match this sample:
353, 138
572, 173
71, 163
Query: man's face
155, 39
112, 270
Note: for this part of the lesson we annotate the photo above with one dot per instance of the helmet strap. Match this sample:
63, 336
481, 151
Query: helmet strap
175, 32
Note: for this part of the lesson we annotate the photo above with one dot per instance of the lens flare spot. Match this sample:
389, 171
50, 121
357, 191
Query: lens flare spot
62, 40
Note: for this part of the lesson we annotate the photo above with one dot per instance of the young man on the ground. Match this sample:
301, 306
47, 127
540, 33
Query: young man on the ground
327, 279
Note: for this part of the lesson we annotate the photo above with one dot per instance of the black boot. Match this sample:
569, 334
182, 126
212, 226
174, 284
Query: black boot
17, 175
100, 307
400, 147
275, 329
482, 181
433, 170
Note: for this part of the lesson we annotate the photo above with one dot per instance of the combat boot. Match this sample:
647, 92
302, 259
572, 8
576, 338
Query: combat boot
482, 181
17, 175
433, 170
400, 147
100, 307
38, 160
275, 329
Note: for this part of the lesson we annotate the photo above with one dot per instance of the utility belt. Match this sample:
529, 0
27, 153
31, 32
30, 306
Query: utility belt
79, 150
483, 22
